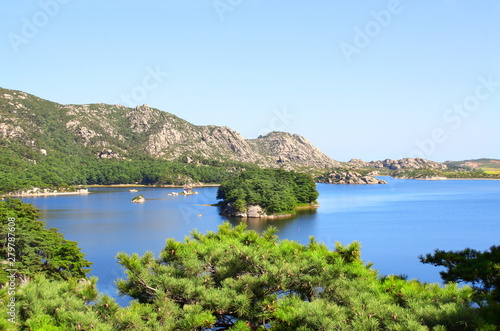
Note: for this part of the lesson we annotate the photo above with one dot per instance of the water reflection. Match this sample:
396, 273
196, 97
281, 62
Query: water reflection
261, 224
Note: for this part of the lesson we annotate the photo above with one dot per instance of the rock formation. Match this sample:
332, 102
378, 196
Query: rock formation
348, 177
413, 163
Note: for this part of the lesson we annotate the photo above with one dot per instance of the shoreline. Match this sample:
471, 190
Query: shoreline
443, 178
80, 191
273, 216
472, 178
153, 186
44, 194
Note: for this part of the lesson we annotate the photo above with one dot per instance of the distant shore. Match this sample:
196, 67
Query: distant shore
155, 186
43, 194
472, 178
80, 191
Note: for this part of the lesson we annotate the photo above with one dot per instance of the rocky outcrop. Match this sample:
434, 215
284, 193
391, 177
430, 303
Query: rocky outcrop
407, 163
86, 135
285, 149
348, 177
252, 211
107, 153
139, 199
9, 131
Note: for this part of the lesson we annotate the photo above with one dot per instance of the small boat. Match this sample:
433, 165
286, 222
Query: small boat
132, 190
200, 215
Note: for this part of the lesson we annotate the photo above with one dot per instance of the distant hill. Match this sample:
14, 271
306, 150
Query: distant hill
389, 164
483, 164
417, 168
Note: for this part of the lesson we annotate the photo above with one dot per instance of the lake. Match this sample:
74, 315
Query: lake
395, 223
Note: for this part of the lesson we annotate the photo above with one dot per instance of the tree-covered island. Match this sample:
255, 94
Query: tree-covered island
267, 193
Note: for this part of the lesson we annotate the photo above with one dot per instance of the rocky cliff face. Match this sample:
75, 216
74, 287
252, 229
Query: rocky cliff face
118, 132
409, 163
291, 149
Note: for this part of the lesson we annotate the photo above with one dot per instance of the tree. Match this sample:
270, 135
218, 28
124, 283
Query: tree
240, 280
481, 269
36, 249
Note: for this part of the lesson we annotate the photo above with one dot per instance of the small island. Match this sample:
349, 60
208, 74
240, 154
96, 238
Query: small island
139, 199
267, 193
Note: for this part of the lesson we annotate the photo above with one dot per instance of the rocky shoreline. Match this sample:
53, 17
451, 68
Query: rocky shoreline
422, 178
256, 211
45, 192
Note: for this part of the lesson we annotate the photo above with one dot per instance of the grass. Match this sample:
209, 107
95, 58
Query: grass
489, 171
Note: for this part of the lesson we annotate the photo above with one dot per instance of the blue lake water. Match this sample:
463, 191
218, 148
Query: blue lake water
395, 222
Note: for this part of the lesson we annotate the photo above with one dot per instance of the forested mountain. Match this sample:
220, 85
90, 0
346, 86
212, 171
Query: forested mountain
43, 143
41, 127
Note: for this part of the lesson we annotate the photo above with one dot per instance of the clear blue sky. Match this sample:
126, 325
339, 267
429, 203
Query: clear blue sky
359, 79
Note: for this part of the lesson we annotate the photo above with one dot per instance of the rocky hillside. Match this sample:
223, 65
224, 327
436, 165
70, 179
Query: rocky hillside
291, 149
39, 128
409, 163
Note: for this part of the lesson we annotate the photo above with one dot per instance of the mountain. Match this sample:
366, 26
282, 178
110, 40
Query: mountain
36, 128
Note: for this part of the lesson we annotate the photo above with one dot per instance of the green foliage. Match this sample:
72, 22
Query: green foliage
481, 269
235, 279
54, 172
275, 190
36, 249
239, 279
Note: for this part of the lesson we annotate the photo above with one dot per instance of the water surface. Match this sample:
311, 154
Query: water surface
395, 222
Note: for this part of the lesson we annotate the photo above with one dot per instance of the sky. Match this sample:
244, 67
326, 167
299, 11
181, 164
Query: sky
359, 79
